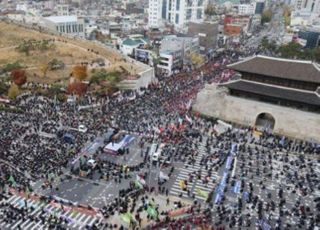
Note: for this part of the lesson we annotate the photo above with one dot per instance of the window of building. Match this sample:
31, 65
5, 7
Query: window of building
177, 19
312, 7
178, 5
163, 63
200, 2
189, 13
164, 9
199, 13
164, 59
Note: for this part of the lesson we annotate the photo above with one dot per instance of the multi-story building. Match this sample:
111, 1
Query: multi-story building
250, 8
235, 25
177, 12
246, 9
170, 61
188, 45
260, 5
207, 33
303, 18
70, 25
63, 9
129, 44
309, 5
176, 51
311, 35
155, 13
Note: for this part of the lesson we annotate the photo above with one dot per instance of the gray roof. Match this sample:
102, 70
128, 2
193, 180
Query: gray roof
62, 19
278, 67
302, 96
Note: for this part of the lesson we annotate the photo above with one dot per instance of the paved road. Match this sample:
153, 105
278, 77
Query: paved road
274, 31
197, 184
76, 219
94, 191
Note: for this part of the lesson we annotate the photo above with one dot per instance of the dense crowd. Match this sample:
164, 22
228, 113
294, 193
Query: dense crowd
162, 112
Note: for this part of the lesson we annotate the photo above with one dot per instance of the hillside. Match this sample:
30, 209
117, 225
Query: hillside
67, 50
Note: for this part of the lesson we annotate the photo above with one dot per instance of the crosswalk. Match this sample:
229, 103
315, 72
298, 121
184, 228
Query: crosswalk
196, 184
39, 213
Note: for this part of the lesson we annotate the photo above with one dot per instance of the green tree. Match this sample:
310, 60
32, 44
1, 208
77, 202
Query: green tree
265, 42
56, 64
56, 88
113, 79
12, 66
266, 16
25, 47
316, 54
290, 50
308, 54
98, 76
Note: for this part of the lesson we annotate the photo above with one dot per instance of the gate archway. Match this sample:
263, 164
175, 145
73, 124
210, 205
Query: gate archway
265, 122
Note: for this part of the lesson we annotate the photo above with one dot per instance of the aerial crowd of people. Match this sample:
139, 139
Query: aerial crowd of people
31, 150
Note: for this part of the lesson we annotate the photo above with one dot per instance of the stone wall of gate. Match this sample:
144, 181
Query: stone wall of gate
294, 123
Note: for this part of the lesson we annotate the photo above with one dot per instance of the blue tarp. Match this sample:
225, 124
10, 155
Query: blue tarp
237, 187
229, 161
221, 188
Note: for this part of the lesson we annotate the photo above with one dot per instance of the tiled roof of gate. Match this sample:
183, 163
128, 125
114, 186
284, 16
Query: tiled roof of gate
278, 67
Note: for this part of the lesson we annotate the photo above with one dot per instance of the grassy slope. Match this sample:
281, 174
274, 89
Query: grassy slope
71, 53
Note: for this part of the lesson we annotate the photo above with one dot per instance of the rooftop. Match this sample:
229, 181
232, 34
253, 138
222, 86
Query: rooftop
277, 92
279, 67
61, 19
134, 42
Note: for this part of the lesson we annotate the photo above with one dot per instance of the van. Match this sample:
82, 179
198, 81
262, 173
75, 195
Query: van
155, 156
157, 150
